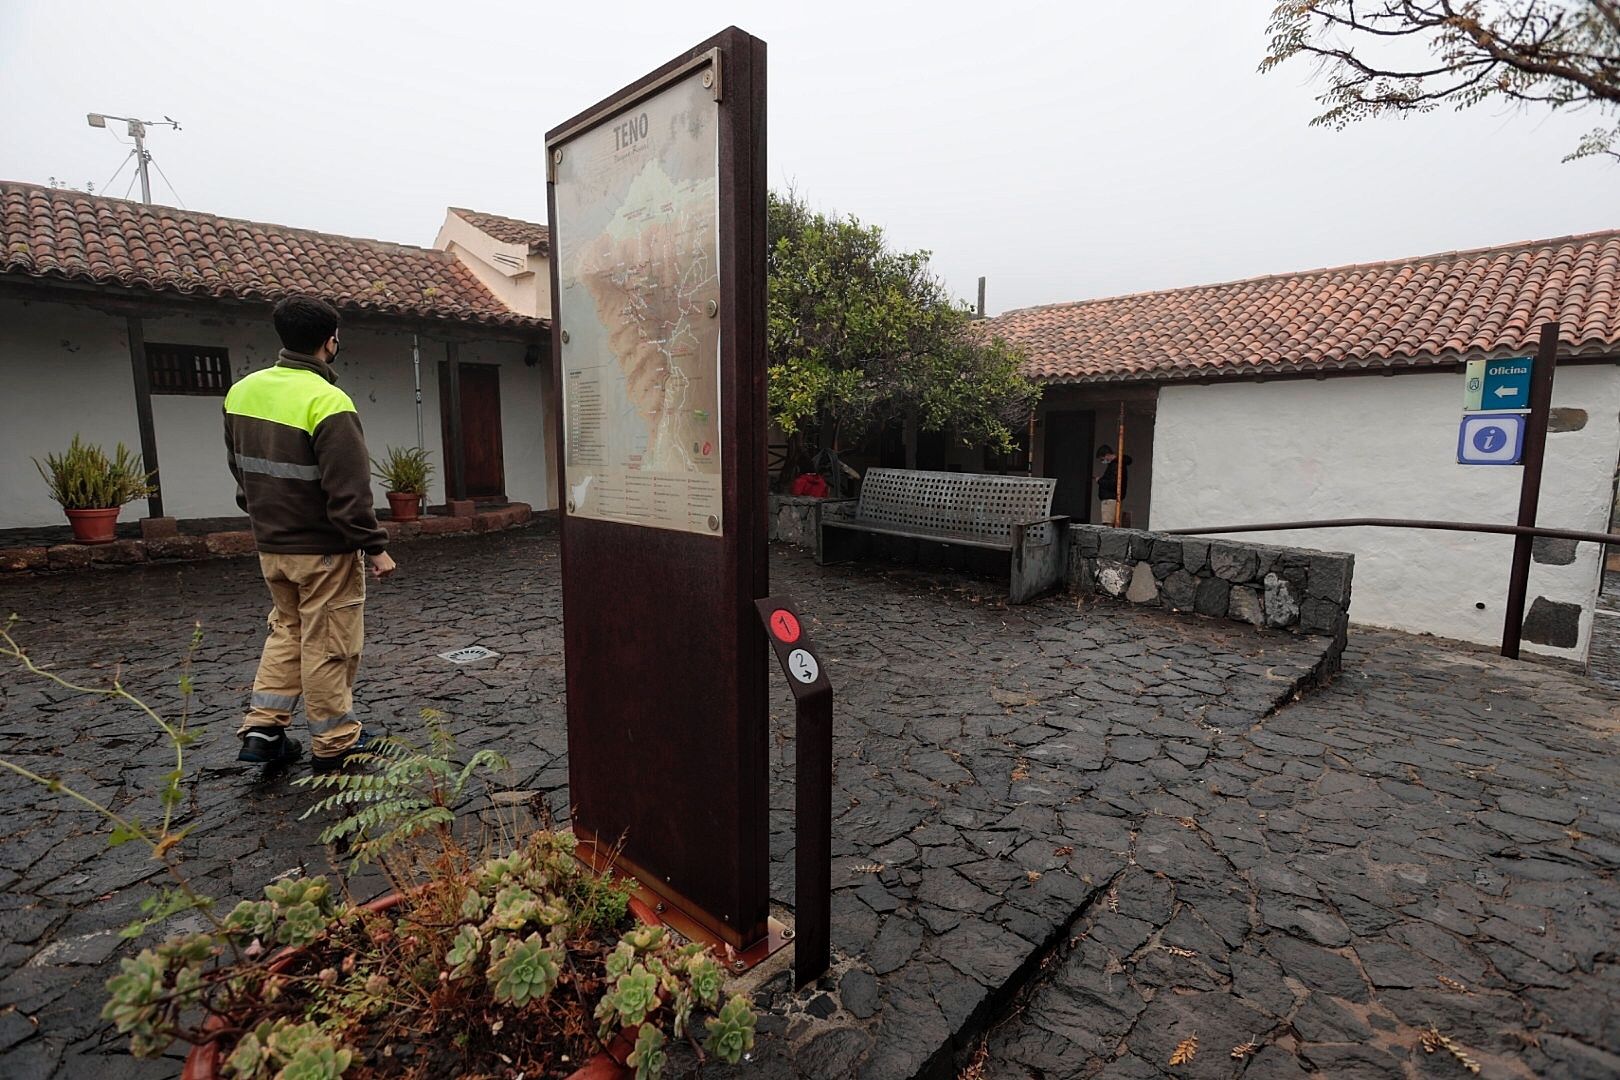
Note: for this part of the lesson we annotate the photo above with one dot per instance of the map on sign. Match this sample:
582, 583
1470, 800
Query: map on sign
637, 250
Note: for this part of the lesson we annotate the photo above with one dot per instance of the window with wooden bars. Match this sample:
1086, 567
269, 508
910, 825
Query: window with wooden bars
201, 370
1015, 462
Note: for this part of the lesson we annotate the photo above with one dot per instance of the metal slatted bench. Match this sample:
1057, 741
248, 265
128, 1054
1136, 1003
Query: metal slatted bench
972, 510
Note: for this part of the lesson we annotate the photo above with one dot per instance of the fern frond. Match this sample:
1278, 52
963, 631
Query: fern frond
484, 759
403, 794
438, 766
367, 820
351, 798
375, 847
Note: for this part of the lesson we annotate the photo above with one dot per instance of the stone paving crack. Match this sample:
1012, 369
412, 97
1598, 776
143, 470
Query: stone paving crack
1355, 844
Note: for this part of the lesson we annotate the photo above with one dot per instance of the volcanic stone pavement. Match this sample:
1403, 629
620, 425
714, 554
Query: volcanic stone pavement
1066, 839
1603, 655
1408, 872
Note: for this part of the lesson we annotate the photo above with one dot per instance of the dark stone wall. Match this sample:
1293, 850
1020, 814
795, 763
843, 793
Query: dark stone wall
1552, 622
793, 517
1306, 592
1553, 552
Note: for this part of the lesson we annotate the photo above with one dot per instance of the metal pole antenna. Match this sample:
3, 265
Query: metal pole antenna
138, 130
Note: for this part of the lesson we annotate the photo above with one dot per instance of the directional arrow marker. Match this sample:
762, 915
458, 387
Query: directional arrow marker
1507, 383
1497, 385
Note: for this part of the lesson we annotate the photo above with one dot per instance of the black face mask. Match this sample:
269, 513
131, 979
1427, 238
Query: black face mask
336, 344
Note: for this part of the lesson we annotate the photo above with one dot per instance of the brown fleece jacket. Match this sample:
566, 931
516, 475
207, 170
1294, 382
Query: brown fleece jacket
293, 441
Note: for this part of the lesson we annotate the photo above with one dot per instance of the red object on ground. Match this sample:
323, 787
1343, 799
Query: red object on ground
811, 484
94, 526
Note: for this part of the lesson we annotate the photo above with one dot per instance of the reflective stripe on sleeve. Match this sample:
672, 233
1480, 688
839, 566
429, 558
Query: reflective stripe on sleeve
281, 469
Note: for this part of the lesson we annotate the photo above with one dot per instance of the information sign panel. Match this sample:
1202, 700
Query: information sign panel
637, 257
657, 213
1473, 386
812, 788
1491, 439
1507, 384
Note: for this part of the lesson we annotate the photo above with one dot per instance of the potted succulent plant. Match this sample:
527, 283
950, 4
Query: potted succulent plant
93, 488
405, 473
498, 958
523, 965
519, 964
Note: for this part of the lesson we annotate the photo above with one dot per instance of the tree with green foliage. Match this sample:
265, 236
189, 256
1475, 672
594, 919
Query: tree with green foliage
861, 335
1558, 53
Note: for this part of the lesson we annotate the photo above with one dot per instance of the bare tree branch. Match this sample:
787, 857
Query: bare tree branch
1557, 53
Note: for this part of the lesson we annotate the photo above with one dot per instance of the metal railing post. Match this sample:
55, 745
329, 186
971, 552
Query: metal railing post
1535, 453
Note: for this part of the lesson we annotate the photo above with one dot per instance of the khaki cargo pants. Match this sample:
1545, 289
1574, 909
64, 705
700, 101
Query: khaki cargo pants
317, 627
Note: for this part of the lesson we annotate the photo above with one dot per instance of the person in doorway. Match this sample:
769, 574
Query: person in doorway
294, 444
1110, 488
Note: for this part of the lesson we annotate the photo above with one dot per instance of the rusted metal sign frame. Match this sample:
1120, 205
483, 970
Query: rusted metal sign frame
667, 718
812, 791
1579, 535
1534, 458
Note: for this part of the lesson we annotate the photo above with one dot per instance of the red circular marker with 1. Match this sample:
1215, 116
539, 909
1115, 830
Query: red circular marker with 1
784, 625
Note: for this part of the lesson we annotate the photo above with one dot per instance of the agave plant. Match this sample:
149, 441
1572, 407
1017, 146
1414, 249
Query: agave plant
406, 470
85, 478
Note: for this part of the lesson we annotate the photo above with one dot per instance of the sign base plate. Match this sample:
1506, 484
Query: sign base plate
602, 859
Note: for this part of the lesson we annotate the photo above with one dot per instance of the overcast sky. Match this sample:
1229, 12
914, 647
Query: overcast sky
1063, 150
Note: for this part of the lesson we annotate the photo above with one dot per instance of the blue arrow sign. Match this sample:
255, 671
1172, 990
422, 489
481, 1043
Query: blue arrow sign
1507, 384
1491, 439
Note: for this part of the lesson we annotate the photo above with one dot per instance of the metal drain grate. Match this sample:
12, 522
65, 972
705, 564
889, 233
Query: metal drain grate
468, 653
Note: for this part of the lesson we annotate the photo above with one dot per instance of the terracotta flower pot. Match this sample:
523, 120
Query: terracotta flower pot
404, 505
94, 526
207, 1061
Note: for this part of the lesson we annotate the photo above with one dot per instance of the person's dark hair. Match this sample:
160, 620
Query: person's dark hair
304, 323
1102, 451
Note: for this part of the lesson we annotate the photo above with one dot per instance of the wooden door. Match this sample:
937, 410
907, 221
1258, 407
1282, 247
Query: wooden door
1067, 456
478, 448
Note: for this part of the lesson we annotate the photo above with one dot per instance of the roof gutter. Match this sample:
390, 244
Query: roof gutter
1599, 354
127, 299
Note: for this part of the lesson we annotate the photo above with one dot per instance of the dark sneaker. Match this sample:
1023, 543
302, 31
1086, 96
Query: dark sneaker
339, 760
268, 746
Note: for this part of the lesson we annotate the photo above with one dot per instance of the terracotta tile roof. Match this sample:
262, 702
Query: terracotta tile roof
507, 230
1435, 309
49, 233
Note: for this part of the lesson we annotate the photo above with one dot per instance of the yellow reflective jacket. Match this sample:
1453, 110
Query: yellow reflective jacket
294, 444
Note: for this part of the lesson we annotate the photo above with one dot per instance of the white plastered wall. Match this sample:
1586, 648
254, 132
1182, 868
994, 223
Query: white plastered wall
1370, 446
525, 435
526, 290
190, 430
65, 368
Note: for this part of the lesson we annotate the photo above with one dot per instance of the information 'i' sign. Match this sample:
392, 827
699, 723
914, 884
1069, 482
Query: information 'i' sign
657, 213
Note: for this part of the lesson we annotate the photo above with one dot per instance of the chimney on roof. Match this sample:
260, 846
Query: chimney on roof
981, 299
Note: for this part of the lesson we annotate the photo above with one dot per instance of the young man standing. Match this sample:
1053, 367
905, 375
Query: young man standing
294, 444
1106, 483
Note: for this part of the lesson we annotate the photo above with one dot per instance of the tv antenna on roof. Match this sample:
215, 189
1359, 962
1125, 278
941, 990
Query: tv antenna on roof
137, 131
